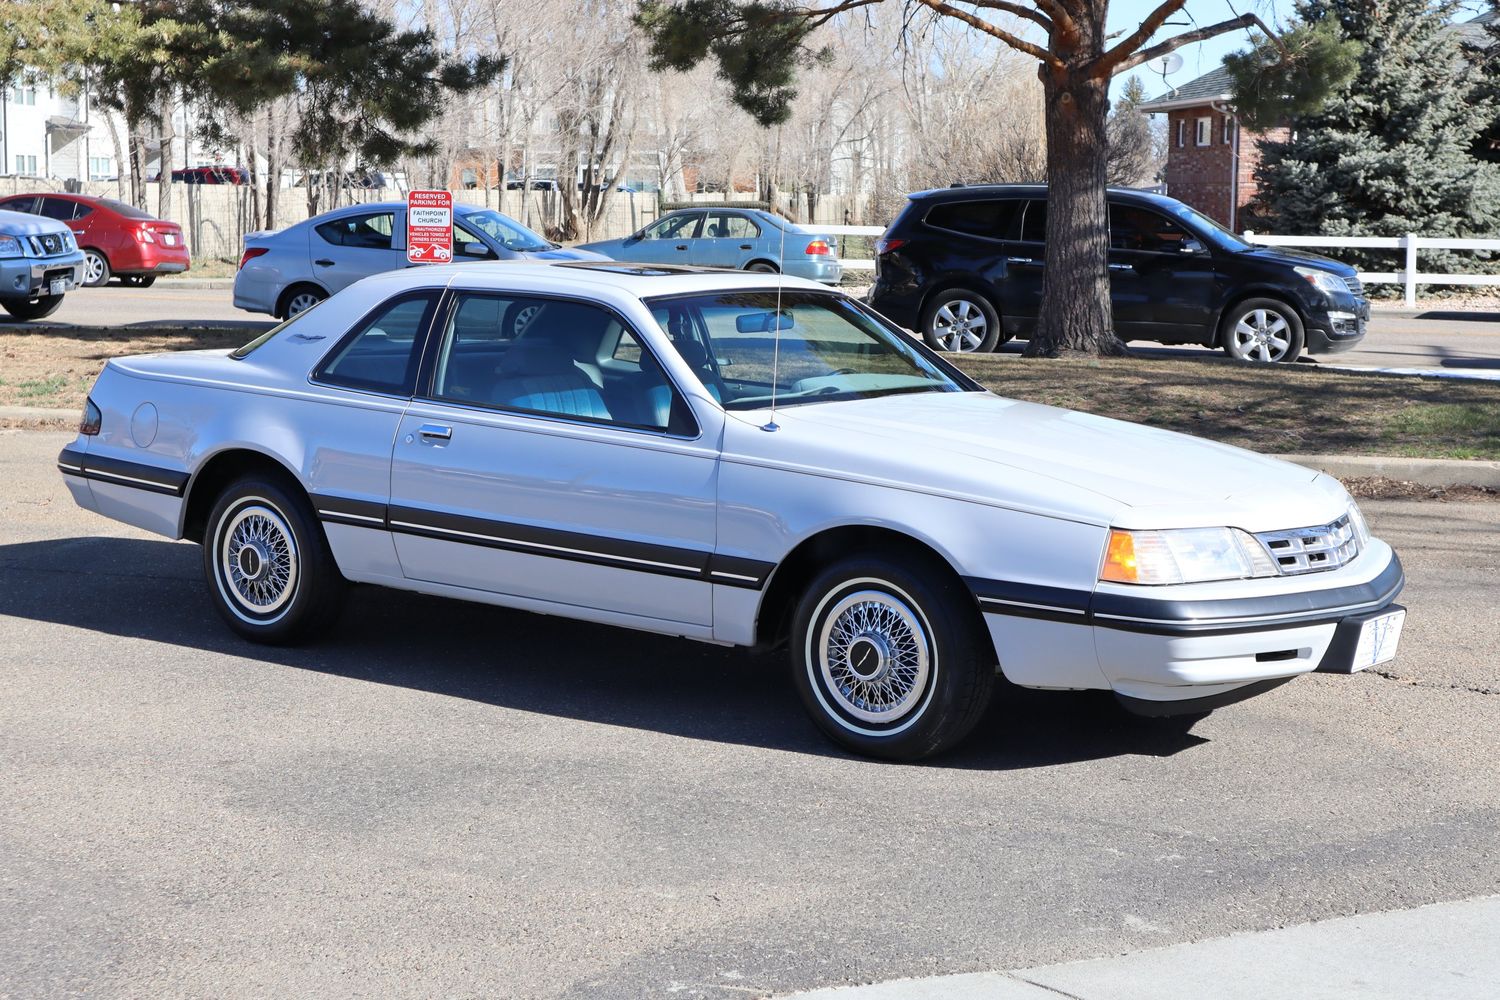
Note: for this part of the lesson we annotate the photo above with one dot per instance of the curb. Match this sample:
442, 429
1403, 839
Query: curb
210, 283
37, 413
250, 326
1422, 471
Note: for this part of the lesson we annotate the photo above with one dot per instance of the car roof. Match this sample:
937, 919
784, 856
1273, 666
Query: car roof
636, 280
968, 192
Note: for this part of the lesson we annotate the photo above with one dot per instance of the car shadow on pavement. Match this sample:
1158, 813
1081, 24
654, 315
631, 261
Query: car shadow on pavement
153, 590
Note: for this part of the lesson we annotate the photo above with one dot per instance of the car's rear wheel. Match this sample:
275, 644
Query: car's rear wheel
26, 309
270, 573
961, 322
764, 267
300, 299
1262, 330
890, 658
138, 280
95, 269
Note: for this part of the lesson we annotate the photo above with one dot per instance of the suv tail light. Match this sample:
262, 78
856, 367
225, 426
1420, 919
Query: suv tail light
251, 253
884, 246
92, 417
817, 247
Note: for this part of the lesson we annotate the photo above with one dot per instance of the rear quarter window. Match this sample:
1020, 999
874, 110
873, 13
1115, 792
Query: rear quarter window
992, 219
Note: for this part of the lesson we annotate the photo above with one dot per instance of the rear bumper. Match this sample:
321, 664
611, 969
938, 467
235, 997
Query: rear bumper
829, 272
28, 277
1179, 656
151, 259
147, 496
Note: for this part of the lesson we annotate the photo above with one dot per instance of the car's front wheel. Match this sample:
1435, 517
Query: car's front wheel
890, 657
270, 572
27, 309
1263, 330
961, 322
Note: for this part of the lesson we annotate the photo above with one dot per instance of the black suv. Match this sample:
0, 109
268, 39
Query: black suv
963, 265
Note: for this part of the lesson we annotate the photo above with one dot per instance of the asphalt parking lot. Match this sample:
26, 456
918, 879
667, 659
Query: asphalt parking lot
446, 799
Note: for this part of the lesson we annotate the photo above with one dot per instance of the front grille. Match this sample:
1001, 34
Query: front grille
1311, 550
49, 244
1356, 287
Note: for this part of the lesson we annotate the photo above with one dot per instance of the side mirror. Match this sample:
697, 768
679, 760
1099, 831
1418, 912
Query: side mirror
1192, 245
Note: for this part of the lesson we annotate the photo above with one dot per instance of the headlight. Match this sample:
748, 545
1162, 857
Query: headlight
10, 246
1184, 555
1323, 281
1361, 528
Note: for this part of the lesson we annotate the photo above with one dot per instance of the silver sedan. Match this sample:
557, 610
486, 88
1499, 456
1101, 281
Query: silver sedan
285, 272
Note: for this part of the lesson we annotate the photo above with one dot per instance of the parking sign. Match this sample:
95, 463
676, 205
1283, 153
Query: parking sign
429, 227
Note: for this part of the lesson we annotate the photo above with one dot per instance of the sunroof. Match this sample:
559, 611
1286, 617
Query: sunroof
643, 270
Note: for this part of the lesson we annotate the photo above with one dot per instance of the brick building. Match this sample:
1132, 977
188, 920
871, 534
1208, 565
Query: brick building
1211, 159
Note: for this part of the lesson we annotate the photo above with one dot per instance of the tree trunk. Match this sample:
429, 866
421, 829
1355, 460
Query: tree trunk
1075, 309
168, 141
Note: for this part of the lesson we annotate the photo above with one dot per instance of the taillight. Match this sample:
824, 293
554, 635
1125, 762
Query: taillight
884, 246
818, 247
143, 233
91, 419
251, 253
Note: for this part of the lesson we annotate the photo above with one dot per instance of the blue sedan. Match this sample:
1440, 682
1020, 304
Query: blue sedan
743, 239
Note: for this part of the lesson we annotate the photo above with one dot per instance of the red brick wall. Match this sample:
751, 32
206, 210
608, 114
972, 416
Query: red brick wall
1204, 176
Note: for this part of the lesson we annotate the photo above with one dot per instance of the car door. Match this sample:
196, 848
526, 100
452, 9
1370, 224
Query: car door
729, 240
528, 469
1025, 260
668, 240
1162, 280
355, 245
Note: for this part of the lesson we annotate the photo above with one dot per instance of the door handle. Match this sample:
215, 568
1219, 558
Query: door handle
1122, 267
435, 432
1020, 260
325, 262
682, 246
747, 246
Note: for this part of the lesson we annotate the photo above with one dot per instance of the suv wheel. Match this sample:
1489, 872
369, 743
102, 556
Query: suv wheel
961, 322
1263, 330
25, 309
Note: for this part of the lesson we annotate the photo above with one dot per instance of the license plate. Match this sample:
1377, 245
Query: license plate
58, 286
1377, 640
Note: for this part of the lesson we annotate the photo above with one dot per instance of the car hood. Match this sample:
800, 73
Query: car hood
984, 447
1292, 257
25, 224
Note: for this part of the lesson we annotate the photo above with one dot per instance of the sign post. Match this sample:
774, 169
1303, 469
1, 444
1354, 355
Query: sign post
429, 227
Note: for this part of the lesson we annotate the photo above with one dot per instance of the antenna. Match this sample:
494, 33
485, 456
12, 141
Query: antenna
770, 425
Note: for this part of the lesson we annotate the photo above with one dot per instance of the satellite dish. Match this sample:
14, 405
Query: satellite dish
1169, 63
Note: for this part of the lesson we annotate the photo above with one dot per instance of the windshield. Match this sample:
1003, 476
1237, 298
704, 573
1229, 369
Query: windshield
826, 348
507, 232
1222, 237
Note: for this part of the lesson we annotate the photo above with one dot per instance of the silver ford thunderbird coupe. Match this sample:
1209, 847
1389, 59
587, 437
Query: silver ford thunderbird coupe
740, 460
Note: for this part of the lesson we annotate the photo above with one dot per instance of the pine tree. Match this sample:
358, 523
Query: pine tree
1391, 152
1483, 54
1129, 136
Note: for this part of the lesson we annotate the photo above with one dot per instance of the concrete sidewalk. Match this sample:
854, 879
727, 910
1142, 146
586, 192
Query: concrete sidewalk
1446, 951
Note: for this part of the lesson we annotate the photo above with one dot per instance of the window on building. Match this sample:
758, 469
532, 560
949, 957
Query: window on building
26, 165
26, 94
1228, 129
1181, 132
1204, 134
101, 168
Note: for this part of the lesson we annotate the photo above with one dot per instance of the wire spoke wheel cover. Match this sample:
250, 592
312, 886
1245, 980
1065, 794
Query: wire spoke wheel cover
873, 655
257, 561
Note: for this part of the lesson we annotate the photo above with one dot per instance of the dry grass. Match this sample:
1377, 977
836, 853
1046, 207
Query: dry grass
1292, 409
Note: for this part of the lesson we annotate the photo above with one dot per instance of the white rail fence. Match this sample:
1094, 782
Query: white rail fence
1409, 277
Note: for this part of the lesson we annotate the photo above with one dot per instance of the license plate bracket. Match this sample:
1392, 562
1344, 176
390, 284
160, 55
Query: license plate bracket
1364, 641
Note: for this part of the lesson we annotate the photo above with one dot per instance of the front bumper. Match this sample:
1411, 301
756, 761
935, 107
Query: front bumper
31, 277
1339, 328
1166, 656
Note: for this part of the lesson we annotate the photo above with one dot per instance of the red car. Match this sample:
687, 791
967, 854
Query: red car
116, 238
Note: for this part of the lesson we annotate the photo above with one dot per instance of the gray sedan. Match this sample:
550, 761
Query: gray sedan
744, 239
285, 272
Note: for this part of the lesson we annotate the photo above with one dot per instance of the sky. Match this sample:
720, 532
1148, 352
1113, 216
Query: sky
1204, 56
